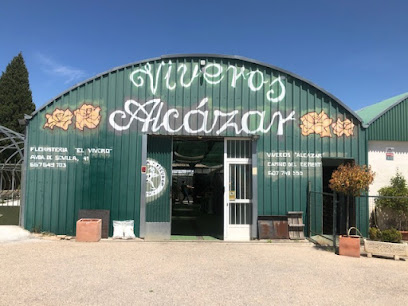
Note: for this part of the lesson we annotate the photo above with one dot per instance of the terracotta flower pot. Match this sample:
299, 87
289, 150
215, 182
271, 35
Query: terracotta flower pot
88, 230
349, 246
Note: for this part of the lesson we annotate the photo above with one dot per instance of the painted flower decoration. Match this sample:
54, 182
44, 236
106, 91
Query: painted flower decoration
314, 123
345, 127
87, 116
59, 118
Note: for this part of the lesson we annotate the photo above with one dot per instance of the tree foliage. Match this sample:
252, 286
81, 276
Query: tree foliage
351, 180
15, 94
398, 188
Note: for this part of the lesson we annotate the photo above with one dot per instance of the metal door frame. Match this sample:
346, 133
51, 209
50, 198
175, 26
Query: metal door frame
155, 230
253, 165
142, 231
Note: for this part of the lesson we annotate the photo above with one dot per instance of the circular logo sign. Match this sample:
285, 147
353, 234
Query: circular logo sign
155, 178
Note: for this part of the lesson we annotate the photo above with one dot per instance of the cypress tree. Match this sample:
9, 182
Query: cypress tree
15, 94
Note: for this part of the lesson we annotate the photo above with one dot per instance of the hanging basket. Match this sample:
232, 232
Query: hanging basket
349, 245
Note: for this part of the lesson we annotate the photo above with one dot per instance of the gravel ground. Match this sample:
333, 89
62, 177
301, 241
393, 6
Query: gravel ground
41, 272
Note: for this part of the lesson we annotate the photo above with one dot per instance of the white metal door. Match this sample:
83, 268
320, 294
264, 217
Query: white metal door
238, 206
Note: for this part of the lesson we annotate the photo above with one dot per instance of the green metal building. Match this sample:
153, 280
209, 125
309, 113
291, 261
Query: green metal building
238, 138
387, 131
387, 120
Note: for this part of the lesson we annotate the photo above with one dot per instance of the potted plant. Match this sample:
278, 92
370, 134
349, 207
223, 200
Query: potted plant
385, 243
351, 180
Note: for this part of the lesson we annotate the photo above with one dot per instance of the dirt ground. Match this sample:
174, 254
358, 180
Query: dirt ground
41, 272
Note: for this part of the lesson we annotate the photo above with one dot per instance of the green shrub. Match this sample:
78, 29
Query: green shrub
375, 233
398, 188
391, 235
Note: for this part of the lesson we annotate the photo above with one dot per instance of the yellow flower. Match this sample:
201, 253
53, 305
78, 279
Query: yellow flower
314, 123
87, 116
345, 127
59, 118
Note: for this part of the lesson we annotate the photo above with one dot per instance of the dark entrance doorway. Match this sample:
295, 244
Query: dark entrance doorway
197, 188
330, 165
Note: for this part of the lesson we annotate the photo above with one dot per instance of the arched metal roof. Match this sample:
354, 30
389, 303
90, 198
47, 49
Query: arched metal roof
232, 57
11, 149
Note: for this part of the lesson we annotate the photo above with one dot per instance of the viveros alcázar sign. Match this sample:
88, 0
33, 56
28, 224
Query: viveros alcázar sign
154, 115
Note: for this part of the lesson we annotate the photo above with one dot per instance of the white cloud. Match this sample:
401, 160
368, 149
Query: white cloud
50, 66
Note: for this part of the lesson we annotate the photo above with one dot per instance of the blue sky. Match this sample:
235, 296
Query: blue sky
356, 50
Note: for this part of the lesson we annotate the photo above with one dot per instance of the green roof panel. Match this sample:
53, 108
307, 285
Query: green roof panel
372, 112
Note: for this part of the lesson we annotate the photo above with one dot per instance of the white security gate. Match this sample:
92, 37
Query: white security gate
238, 204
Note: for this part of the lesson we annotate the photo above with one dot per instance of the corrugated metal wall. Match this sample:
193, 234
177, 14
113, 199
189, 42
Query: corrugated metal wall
277, 195
54, 195
112, 181
392, 125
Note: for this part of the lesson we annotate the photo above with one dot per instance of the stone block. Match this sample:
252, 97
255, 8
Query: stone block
385, 248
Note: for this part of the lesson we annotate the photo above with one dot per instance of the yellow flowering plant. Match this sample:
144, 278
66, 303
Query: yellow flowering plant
351, 180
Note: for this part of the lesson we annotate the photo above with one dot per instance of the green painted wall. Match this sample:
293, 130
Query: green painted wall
297, 125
